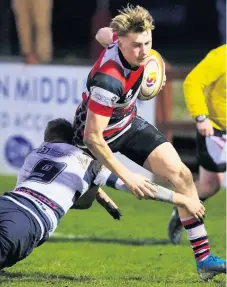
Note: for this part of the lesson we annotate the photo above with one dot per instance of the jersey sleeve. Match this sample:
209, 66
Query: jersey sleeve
203, 76
107, 178
106, 90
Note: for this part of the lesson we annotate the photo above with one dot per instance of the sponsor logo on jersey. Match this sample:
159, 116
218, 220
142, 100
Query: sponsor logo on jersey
43, 149
56, 153
102, 99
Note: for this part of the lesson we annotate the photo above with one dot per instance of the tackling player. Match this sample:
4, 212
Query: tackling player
106, 121
54, 178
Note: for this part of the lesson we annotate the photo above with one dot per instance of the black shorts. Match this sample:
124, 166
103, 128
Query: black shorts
139, 141
209, 151
19, 233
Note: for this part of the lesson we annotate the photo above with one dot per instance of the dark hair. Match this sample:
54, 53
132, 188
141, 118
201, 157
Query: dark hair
59, 131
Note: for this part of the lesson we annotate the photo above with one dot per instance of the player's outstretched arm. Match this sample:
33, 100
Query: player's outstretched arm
86, 200
93, 139
160, 193
105, 201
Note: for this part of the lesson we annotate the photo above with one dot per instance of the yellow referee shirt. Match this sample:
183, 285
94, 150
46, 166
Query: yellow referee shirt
205, 88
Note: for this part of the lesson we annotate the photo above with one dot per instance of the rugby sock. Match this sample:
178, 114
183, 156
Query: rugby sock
198, 237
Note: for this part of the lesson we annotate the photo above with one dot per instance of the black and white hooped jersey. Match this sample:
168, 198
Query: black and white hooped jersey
58, 171
111, 90
53, 177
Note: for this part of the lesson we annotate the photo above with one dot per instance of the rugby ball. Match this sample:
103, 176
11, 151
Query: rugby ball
153, 77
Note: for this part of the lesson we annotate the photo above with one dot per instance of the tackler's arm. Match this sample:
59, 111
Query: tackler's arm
105, 201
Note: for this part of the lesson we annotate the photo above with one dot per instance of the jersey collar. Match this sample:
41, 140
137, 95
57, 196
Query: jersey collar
125, 63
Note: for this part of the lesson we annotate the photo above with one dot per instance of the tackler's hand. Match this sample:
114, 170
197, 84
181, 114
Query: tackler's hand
140, 186
195, 208
105, 201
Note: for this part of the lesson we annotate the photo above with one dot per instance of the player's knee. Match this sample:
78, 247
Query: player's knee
181, 176
186, 176
216, 185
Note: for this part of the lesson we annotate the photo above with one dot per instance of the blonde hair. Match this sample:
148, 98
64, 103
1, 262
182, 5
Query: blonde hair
132, 19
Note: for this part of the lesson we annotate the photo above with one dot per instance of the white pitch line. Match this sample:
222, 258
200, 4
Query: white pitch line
68, 236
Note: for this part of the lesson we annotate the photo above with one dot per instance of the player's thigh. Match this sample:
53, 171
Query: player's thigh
148, 147
209, 180
18, 233
165, 162
139, 141
211, 152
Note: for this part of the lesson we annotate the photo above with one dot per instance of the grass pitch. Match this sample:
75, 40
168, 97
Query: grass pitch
89, 248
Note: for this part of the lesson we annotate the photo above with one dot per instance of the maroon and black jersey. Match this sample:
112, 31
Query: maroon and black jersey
111, 90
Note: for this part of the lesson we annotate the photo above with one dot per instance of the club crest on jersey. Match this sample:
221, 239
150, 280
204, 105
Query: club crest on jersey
129, 94
151, 79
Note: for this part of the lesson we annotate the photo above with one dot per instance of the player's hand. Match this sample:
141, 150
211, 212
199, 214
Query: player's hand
195, 207
110, 206
140, 186
164, 82
205, 128
104, 36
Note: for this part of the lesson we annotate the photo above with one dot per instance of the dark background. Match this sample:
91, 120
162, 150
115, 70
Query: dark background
185, 29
